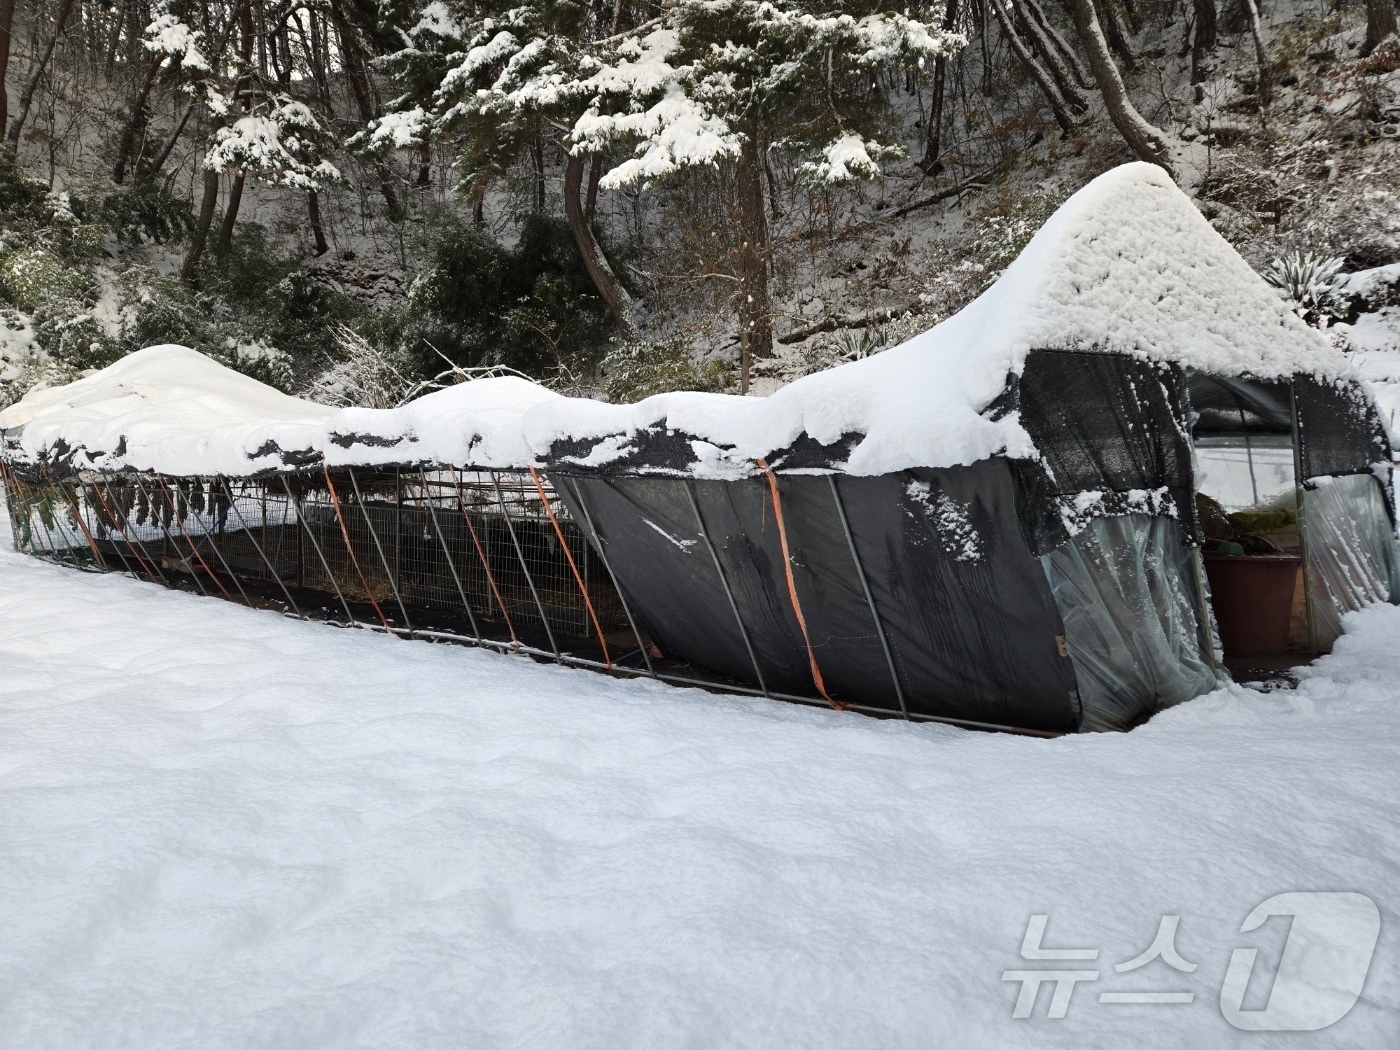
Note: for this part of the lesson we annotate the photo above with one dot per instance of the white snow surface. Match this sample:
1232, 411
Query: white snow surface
223, 828
171, 409
1126, 265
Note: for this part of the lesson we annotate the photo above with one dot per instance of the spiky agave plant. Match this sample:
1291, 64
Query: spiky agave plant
1308, 281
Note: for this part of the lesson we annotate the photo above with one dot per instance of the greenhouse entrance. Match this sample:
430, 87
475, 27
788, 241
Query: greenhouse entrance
1295, 521
1247, 504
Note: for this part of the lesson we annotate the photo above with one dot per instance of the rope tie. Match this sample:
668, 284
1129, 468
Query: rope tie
481, 553
578, 577
792, 589
350, 549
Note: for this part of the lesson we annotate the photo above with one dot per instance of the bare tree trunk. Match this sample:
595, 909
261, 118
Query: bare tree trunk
425, 165
933, 137
1380, 24
595, 175
7, 24
147, 171
26, 97
357, 73
135, 122
537, 156
593, 258
1082, 76
235, 199
1146, 140
1203, 37
755, 313
189, 272
1063, 76
313, 209
243, 90
1260, 55
1058, 105
1118, 36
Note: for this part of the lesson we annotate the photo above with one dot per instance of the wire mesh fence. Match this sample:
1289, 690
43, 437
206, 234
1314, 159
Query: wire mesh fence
479, 556
487, 558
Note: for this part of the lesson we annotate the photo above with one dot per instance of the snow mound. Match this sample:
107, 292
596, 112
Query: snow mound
173, 410
165, 408
1127, 265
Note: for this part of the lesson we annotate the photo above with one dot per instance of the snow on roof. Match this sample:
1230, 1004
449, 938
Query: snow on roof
173, 410
1127, 265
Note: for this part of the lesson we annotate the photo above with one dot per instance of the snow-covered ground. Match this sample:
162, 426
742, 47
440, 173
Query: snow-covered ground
222, 828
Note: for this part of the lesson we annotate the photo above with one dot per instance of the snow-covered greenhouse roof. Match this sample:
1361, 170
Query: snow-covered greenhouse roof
1126, 265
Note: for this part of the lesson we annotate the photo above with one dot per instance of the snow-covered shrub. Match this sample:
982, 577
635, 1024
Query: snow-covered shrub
1006, 224
1308, 281
363, 374
145, 212
72, 336
32, 276
637, 369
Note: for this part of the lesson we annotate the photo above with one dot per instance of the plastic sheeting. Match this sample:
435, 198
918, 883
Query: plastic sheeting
1111, 431
968, 618
1128, 594
1352, 556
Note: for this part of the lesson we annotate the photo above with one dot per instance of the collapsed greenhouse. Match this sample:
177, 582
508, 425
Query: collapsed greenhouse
1068, 506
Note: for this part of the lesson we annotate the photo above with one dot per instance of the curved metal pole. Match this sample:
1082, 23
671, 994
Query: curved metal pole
733, 605
598, 546
155, 512
447, 553
393, 583
214, 546
869, 598
520, 553
258, 546
316, 546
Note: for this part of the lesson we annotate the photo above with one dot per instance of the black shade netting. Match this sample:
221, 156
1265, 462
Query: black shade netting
968, 619
1113, 439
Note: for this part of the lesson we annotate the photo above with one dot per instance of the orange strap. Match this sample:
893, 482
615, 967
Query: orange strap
481, 553
349, 549
792, 590
194, 547
578, 577
77, 518
121, 531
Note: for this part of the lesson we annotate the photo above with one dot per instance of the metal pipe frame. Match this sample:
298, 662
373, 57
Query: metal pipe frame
520, 553
316, 546
277, 576
869, 598
165, 530
393, 583
602, 556
447, 553
724, 581
214, 546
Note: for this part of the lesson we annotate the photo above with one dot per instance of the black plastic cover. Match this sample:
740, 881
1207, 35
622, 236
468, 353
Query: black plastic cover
1107, 424
966, 610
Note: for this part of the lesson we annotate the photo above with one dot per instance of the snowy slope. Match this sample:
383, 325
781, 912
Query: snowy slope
221, 828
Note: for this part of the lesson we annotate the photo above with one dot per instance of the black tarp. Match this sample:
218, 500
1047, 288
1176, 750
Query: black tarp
971, 626
1103, 423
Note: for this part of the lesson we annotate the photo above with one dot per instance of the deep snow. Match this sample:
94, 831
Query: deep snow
223, 828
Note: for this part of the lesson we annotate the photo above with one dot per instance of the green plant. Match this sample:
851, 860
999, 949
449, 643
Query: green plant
1308, 281
531, 307
635, 370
